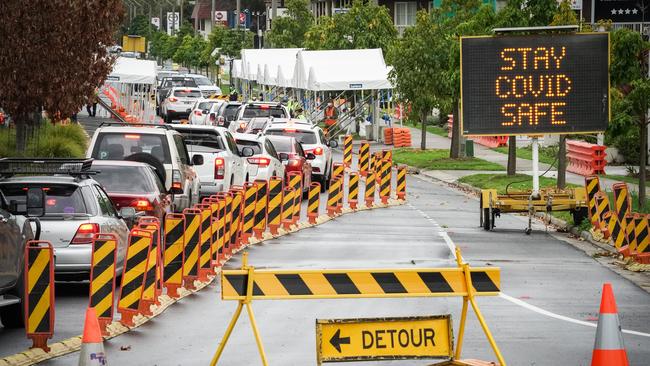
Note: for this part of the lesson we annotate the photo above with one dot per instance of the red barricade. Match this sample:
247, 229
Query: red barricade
401, 137
585, 158
388, 136
491, 141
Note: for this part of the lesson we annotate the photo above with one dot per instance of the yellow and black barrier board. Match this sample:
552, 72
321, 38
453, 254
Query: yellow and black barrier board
205, 249
615, 229
295, 182
339, 191
331, 194
221, 226
369, 194
337, 170
364, 157
250, 198
407, 338
622, 199
641, 233
227, 221
387, 155
150, 277
602, 206
353, 187
342, 283
102, 274
174, 245
347, 150
237, 211
384, 188
592, 185
287, 204
401, 182
313, 200
631, 232
39, 289
135, 266
261, 205
192, 240
215, 210
275, 201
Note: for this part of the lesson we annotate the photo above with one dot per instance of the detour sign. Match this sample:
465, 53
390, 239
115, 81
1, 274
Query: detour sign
384, 338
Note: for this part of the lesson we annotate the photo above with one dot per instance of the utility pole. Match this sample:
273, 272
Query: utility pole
212, 22
237, 14
180, 20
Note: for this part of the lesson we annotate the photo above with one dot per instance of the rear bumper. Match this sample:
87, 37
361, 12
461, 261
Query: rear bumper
208, 189
72, 259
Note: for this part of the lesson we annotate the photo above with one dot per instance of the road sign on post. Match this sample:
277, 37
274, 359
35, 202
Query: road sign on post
535, 84
419, 337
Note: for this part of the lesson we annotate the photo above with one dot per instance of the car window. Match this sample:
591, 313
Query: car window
230, 112
270, 149
182, 150
256, 146
321, 135
187, 82
253, 111
187, 93
299, 149
304, 137
60, 199
232, 145
105, 205
205, 105
203, 81
282, 145
124, 179
205, 138
118, 146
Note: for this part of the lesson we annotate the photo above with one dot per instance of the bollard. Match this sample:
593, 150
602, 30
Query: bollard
364, 158
384, 188
339, 194
401, 182
102, 278
192, 240
237, 214
275, 204
39, 292
622, 199
615, 229
260, 208
287, 208
221, 226
213, 201
135, 266
347, 151
149, 293
313, 202
369, 193
332, 198
250, 199
173, 257
377, 167
602, 207
205, 246
295, 182
338, 170
631, 236
353, 190
227, 211
387, 155
641, 232
592, 186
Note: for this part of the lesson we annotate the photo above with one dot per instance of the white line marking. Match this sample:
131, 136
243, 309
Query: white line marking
439, 230
558, 316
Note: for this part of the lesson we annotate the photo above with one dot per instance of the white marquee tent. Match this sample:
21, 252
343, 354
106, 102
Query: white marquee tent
133, 71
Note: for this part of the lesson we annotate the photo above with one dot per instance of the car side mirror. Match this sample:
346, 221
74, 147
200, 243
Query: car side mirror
197, 160
333, 143
35, 202
310, 156
247, 151
205, 111
127, 213
283, 156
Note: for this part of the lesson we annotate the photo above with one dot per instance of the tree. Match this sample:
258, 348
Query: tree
289, 31
235, 40
52, 59
365, 25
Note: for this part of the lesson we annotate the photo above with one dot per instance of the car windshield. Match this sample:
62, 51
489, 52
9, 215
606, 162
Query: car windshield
256, 146
230, 112
304, 137
203, 81
206, 138
187, 93
253, 111
205, 105
118, 146
282, 145
124, 179
189, 82
60, 199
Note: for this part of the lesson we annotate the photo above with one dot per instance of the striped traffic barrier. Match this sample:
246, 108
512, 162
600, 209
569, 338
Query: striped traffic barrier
339, 194
378, 166
275, 204
226, 197
615, 229
174, 254
151, 275
369, 194
631, 236
622, 199
287, 208
102, 278
384, 187
338, 169
260, 208
387, 155
592, 186
135, 266
295, 182
213, 201
364, 158
192, 242
39, 292
353, 190
401, 182
205, 243
313, 202
250, 200
347, 151
154, 224
602, 207
641, 233
332, 199
237, 213
221, 227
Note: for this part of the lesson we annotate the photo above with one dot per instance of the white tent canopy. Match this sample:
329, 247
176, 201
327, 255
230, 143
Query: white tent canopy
341, 70
254, 62
133, 71
236, 69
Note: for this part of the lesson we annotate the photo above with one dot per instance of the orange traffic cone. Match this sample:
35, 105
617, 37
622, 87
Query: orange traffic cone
609, 349
92, 346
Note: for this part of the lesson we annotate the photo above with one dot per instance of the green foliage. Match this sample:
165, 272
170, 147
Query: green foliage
366, 25
518, 182
541, 11
289, 31
62, 141
627, 49
235, 40
564, 15
140, 26
438, 159
639, 98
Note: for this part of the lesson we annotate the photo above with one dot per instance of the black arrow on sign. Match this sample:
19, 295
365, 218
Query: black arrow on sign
337, 341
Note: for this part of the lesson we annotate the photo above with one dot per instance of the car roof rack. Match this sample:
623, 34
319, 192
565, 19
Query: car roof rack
46, 166
129, 124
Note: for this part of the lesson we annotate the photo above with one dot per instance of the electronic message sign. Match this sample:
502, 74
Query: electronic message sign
537, 84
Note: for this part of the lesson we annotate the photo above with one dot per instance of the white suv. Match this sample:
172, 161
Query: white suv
313, 140
179, 102
247, 111
157, 145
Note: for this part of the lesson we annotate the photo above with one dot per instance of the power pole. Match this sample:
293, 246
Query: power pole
212, 15
237, 14
180, 20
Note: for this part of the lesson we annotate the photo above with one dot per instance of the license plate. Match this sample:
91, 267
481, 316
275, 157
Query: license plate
189, 102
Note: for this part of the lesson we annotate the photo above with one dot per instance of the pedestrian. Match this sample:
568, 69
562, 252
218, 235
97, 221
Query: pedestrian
300, 114
91, 106
233, 96
331, 114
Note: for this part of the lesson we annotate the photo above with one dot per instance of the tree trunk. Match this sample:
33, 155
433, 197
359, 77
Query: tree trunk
26, 126
512, 155
561, 163
643, 161
423, 120
454, 152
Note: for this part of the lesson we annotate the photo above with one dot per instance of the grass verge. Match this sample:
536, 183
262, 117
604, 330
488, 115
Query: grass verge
437, 130
546, 155
49, 141
438, 159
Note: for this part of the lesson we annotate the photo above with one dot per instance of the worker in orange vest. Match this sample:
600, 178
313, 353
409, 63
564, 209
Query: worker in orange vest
331, 114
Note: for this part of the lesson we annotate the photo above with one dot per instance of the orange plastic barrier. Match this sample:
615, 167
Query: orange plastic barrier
388, 136
585, 158
401, 137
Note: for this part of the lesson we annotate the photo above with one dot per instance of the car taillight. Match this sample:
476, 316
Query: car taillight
173, 99
143, 205
290, 130
221, 121
198, 113
85, 233
260, 161
294, 162
219, 168
318, 151
176, 179
212, 117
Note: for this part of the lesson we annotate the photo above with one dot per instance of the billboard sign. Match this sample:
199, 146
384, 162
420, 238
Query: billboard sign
621, 11
536, 84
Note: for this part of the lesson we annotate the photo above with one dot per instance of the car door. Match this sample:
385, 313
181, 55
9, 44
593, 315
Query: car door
110, 222
187, 171
278, 168
11, 249
238, 166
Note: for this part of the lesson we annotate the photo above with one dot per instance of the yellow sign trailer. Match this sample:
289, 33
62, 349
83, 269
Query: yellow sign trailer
419, 337
492, 204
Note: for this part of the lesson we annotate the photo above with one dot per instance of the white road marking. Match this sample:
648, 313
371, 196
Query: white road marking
560, 317
439, 230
